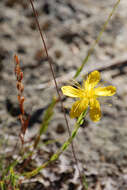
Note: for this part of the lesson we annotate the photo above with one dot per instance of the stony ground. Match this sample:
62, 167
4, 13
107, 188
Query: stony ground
70, 28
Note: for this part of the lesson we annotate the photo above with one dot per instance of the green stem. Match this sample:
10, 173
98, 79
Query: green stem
96, 41
61, 150
46, 120
2, 185
55, 156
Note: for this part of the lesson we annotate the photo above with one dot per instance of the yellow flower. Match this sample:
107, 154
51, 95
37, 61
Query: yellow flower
87, 96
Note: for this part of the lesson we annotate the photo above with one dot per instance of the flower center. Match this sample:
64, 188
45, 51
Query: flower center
89, 93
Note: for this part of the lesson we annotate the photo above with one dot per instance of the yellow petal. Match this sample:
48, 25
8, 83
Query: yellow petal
92, 80
105, 91
78, 107
95, 110
72, 92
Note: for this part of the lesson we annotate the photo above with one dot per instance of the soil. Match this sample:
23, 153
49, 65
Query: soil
70, 28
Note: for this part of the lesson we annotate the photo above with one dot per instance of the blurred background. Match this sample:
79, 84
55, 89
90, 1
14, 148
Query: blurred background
70, 27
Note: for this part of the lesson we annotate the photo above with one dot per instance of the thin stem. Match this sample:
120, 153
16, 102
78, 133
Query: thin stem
97, 40
51, 68
56, 155
61, 150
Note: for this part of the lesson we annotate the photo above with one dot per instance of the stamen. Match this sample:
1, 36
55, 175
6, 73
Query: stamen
101, 84
74, 84
76, 107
